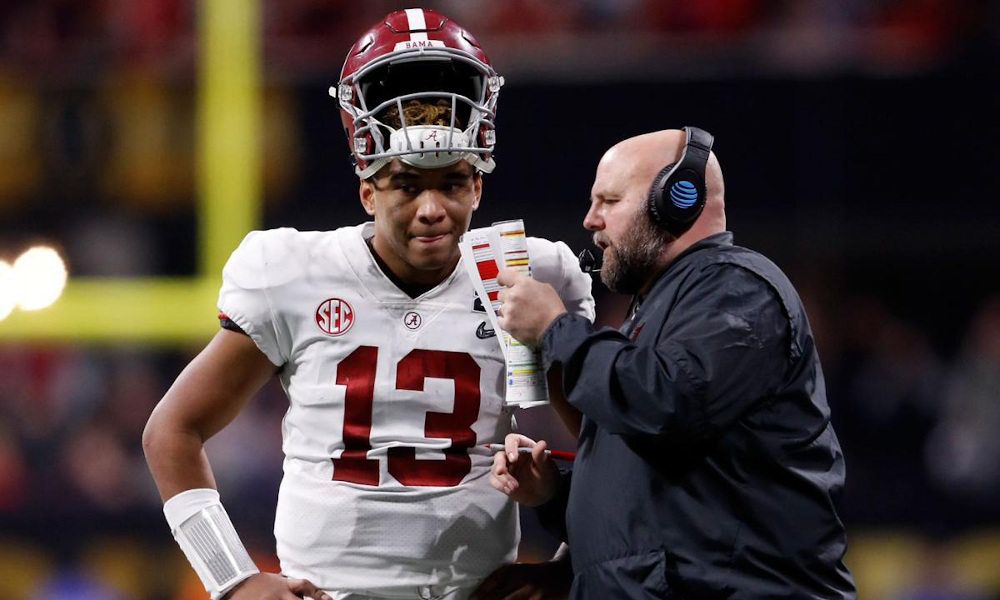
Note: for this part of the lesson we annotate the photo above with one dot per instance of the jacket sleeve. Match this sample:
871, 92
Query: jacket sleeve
552, 514
722, 348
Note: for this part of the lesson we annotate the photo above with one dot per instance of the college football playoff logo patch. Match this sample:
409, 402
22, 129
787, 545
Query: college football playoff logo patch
334, 316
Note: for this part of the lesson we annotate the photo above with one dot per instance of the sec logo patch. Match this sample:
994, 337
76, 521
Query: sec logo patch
334, 316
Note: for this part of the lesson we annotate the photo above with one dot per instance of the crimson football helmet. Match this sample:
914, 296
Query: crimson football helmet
418, 86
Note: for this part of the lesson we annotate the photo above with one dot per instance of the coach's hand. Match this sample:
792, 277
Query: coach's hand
541, 581
529, 479
270, 586
527, 306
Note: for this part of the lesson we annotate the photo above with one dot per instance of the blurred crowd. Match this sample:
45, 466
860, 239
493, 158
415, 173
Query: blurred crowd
97, 138
918, 428
76, 40
98, 98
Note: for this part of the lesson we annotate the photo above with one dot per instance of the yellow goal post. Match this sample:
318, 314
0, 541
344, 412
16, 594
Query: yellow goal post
177, 311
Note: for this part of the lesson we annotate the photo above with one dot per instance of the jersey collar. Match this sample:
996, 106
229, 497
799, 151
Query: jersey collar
365, 266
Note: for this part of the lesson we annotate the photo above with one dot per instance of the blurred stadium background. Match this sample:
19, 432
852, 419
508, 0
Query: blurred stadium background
141, 140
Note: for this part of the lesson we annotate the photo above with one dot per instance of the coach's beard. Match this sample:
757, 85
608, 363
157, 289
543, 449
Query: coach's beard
635, 257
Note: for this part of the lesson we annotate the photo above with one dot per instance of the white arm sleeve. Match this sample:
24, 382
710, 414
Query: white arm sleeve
204, 532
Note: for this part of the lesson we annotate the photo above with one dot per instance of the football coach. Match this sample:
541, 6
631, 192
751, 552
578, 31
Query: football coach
707, 465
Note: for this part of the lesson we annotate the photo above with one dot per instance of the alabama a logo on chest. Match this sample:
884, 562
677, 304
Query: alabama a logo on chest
334, 316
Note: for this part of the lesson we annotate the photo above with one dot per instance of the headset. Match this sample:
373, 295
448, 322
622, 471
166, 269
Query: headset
676, 210
677, 195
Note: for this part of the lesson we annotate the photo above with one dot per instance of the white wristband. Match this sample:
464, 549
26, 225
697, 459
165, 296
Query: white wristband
204, 532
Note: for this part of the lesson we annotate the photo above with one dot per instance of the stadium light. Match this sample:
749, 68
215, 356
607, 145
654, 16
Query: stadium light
39, 278
160, 309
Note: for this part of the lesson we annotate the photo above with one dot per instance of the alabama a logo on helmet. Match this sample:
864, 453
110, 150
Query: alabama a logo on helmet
334, 316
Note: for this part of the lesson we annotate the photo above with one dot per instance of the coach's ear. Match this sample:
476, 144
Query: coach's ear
367, 193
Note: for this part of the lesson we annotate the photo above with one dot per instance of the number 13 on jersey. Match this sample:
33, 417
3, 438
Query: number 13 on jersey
357, 374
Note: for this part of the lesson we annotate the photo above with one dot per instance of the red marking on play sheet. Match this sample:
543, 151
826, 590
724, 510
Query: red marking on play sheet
487, 269
480, 246
493, 295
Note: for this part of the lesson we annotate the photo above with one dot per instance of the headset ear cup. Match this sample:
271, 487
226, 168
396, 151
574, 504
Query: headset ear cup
678, 193
655, 203
683, 198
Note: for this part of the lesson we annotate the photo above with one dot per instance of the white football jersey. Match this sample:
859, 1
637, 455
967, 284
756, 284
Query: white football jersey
391, 400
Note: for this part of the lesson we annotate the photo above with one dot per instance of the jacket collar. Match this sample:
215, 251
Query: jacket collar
724, 238
716, 240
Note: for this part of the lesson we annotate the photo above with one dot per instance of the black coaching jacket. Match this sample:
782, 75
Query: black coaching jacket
707, 464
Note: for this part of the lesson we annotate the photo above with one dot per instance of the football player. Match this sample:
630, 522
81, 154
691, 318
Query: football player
395, 381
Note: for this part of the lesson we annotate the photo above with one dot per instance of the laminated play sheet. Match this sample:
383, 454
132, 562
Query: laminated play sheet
485, 252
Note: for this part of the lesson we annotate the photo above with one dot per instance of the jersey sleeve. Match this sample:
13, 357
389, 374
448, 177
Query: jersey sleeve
554, 263
245, 299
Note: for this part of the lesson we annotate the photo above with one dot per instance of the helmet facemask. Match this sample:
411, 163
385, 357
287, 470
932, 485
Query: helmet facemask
430, 108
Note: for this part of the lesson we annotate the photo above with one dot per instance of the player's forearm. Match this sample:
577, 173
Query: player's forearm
176, 458
194, 512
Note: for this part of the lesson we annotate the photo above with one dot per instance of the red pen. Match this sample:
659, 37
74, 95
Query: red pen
556, 454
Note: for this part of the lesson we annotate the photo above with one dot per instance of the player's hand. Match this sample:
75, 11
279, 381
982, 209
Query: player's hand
529, 479
527, 306
542, 581
271, 586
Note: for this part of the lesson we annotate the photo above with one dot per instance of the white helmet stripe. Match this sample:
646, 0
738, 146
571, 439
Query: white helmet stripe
415, 18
